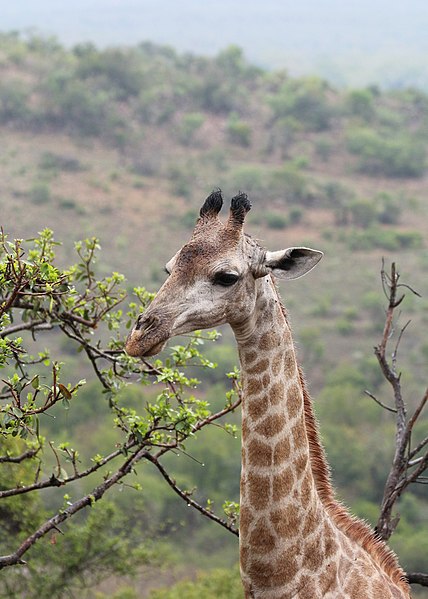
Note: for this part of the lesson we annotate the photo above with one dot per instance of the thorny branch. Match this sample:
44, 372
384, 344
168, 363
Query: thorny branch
409, 463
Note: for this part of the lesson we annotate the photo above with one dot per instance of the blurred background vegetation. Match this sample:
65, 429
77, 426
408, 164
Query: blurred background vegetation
125, 143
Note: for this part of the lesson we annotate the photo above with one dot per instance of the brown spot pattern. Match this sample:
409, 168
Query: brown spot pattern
257, 408
250, 356
261, 539
286, 567
260, 454
269, 341
294, 401
281, 451
253, 386
259, 491
276, 394
282, 484
299, 434
258, 367
300, 464
271, 425
261, 573
286, 522
277, 363
357, 587
313, 557
244, 520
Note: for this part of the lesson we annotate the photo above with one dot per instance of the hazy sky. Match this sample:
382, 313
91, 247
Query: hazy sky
298, 34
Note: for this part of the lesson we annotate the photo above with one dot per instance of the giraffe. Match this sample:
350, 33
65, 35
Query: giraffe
296, 540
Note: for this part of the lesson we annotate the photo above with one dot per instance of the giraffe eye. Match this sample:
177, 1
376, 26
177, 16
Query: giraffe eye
225, 279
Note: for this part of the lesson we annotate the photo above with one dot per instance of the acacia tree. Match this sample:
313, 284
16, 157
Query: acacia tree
37, 296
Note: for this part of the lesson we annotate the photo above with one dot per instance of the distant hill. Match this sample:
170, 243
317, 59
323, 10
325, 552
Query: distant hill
349, 43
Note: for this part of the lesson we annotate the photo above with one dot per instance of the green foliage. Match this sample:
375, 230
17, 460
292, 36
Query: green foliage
304, 100
40, 193
238, 131
51, 161
390, 155
360, 103
389, 207
82, 556
14, 97
219, 584
190, 123
363, 213
76, 302
293, 184
388, 239
114, 68
276, 220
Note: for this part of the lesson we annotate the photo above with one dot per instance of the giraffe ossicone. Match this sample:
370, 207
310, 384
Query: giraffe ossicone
296, 540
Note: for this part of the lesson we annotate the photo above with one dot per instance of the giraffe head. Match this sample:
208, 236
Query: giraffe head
213, 278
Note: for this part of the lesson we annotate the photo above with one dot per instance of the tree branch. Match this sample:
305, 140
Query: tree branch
186, 495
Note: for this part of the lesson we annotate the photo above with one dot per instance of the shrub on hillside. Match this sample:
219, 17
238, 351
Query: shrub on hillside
189, 125
359, 103
306, 101
13, 102
238, 131
392, 155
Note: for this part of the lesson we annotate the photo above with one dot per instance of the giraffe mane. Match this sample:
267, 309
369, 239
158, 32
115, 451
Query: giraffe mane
354, 528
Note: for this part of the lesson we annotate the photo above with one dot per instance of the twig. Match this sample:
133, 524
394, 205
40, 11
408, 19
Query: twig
380, 403
187, 497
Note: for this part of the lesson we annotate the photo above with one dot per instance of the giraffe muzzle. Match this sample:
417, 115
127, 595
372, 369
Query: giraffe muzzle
148, 336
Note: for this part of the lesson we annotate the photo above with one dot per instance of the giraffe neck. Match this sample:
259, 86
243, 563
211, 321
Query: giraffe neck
280, 505
295, 539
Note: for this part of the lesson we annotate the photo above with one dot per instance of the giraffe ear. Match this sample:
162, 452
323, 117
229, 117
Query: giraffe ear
292, 263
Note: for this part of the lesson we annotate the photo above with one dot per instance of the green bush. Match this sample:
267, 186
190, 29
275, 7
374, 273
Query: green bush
114, 68
254, 179
52, 161
389, 208
323, 149
238, 131
360, 103
190, 123
13, 102
219, 584
391, 155
288, 181
40, 193
275, 220
306, 101
363, 213
387, 239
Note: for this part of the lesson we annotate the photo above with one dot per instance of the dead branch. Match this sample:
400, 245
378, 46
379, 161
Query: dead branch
407, 467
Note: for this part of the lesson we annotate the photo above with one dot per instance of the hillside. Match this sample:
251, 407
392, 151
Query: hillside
124, 144
348, 44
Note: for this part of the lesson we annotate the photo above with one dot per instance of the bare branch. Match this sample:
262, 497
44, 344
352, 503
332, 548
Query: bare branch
404, 469
186, 495
27, 455
417, 578
380, 403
